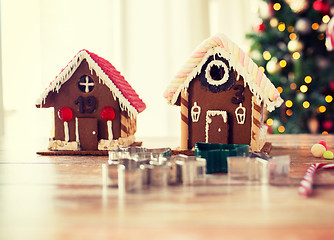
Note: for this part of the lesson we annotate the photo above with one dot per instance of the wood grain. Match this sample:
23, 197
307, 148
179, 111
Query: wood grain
63, 197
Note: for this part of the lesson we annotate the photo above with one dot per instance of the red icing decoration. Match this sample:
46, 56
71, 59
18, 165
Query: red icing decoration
115, 76
323, 143
107, 113
65, 114
125, 88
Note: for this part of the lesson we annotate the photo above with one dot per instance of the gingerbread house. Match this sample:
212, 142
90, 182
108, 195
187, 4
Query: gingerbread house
222, 94
95, 107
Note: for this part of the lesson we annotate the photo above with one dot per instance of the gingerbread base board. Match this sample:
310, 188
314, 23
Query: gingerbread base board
264, 151
81, 153
70, 153
184, 152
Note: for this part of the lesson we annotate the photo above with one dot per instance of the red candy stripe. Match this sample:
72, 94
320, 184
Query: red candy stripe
306, 185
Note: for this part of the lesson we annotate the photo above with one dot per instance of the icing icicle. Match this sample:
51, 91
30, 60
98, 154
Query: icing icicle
106, 74
258, 83
208, 120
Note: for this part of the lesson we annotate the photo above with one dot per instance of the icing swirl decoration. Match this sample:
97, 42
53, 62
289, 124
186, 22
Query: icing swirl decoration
220, 46
216, 74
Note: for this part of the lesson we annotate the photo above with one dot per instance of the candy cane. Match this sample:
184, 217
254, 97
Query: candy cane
306, 185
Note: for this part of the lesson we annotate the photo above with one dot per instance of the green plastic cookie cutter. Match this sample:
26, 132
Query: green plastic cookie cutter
216, 155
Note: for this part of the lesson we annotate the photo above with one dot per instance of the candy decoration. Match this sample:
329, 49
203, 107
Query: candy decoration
306, 185
318, 150
329, 35
184, 119
323, 143
328, 155
257, 82
65, 114
108, 114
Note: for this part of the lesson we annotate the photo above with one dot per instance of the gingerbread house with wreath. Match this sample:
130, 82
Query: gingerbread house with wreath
222, 94
95, 108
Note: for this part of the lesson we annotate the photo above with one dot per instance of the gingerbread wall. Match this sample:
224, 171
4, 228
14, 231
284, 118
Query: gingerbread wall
68, 96
219, 101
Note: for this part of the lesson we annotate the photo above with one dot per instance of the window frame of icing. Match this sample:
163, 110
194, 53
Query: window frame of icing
228, 79
91, 80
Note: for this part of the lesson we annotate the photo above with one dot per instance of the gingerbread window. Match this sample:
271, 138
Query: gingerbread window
216, 74
86, 84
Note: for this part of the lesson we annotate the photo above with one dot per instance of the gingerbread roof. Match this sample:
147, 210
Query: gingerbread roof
107, 74
258, 83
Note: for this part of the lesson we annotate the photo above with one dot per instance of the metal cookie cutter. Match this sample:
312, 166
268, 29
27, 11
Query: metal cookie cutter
129, 175
133, 168
187, 170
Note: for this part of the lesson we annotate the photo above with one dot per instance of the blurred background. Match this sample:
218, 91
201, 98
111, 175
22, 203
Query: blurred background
149, 40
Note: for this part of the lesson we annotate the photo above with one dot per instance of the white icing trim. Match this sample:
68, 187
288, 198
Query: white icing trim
195, 112
77, 139
195, 71
86, 84
245, 71
110, 133
209, 77
241, 117
208, 120
68, 71
66, 131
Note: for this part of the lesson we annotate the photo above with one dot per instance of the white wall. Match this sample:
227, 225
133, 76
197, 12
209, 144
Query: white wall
147, 40
21, 51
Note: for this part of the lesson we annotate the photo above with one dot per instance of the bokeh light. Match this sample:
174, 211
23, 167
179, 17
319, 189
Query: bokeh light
303, 88
308, 79
306, 104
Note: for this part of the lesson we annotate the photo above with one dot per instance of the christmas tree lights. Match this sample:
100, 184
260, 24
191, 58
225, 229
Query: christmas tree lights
289, 42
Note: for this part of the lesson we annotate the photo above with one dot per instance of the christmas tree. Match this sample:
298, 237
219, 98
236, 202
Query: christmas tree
289, 43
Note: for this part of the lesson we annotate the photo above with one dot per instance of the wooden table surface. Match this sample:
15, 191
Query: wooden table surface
62, 197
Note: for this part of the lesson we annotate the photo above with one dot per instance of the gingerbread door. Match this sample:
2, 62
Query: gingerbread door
87, 130
216, 127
